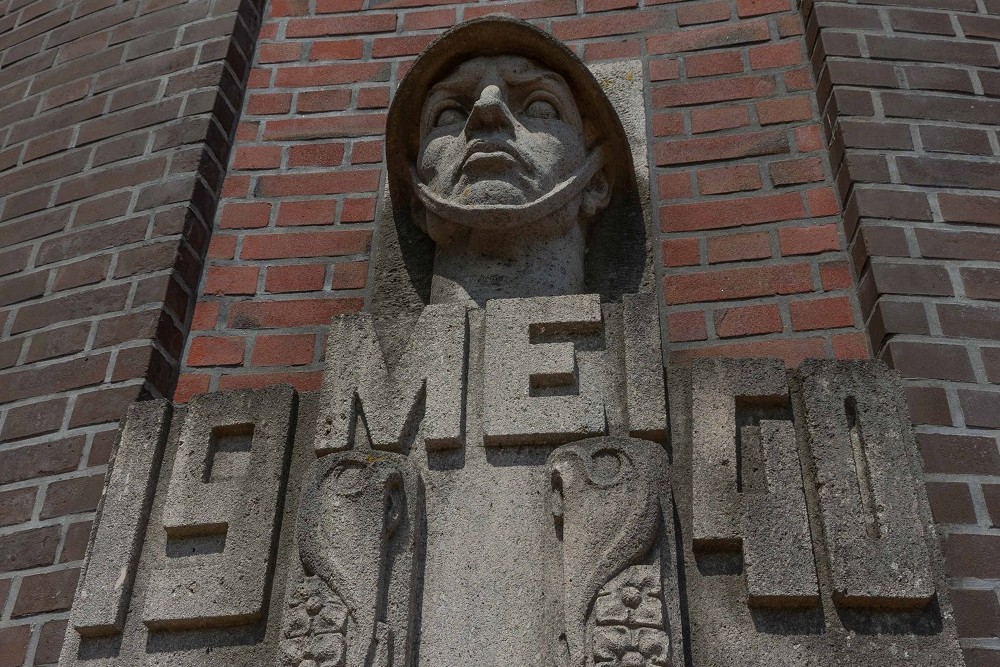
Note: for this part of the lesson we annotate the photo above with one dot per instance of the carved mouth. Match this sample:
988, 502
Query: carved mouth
490, 153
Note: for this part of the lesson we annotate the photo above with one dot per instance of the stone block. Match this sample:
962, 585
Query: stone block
221, 510
529, 392
867, 483
644, 393
105, 589
360, 381
746, 481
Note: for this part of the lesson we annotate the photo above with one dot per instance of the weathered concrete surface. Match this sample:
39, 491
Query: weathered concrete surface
870, 492
727, 628
105, 589
529, 395
361, 388
646, 403
746, 482
226, 487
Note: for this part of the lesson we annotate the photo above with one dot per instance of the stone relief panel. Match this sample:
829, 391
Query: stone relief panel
221, 510
487, 476
609, 499
779, 463
116, 544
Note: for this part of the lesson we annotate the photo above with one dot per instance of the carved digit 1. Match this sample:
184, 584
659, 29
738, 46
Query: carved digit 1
225, 488
515, 367
871, 504
771, 527
362, 523
103, 597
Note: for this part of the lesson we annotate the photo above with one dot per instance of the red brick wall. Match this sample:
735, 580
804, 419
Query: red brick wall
910, 99
754, 260
108, 187
115, 122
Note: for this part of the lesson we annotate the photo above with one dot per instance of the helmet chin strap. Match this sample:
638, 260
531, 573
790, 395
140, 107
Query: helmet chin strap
507, 216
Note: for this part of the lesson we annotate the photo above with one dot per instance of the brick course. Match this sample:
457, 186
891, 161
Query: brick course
908, 96
793, 218
115, 125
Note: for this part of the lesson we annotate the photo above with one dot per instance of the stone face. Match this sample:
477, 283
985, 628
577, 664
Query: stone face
871, 504
514, 151
106, 588
221, 510
361, 389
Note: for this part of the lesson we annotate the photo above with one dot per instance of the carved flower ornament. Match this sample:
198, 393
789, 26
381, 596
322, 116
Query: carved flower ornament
619, 646
633, 599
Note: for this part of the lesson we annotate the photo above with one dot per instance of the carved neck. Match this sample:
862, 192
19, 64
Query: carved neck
470, 268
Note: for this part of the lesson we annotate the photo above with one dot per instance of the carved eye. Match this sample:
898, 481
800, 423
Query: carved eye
541, 109
450, 116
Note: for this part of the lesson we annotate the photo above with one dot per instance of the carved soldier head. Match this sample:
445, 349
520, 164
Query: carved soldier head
502, 147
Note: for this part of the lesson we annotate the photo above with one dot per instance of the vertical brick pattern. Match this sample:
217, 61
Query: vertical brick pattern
115, 125
751, 246
909, 94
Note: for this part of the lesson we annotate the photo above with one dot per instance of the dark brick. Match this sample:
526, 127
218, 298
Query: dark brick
938, 51
960, 321
951, 502
84, 272
940, 107
980, 657
103, 405
970, 208
77, 306
14, 640
28, 382
977, 612
29, 548
981, 282
34, 419
16, 506
940, 172
72, 496
930, 360
981, 407
928, 77
49, 592
39, 460
991, 492
58, 342
932, 23
75, 545
928, 405
967, 245
50, 641
22, 287
966, 555
942, 139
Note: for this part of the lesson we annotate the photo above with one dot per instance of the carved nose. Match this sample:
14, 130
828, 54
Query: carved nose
490, 112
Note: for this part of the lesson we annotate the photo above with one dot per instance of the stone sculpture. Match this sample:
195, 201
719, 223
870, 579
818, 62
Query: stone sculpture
505, 167
483, 478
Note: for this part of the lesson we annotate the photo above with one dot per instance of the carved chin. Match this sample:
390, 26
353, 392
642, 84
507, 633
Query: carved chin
490, 191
